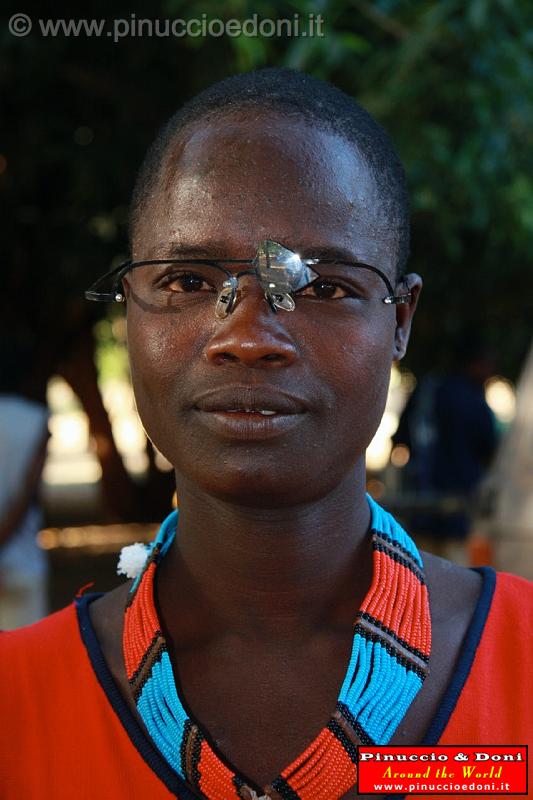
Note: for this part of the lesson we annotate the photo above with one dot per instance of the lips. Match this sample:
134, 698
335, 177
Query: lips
263, 400
249, 413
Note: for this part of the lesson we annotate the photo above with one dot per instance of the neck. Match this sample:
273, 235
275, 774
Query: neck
269, 571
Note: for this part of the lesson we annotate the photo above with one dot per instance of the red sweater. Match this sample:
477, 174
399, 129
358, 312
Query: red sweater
68, 735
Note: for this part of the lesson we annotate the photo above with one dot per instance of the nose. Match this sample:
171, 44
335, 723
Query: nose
252, 335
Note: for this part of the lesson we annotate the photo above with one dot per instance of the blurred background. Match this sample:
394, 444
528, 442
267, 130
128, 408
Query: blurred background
450, 81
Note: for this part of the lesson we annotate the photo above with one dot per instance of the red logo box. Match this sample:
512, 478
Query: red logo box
443, 769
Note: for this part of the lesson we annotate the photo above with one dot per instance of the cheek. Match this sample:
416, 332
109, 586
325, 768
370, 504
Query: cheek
153, 350
360, 369
160, 352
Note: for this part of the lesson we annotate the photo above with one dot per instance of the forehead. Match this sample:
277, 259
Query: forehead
254, 176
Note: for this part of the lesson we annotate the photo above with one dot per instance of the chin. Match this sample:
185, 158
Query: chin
276, 483
250, 484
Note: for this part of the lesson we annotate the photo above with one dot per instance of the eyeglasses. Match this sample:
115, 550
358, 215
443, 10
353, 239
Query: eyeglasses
177, 284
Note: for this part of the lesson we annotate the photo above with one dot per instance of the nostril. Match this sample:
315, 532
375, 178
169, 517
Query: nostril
252, 339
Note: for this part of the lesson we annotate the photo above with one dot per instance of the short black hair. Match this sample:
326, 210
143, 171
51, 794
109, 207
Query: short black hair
292, 93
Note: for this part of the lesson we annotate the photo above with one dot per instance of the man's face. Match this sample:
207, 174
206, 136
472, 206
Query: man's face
324, 368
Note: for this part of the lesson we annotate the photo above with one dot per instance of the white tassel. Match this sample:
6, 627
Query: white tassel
132, 559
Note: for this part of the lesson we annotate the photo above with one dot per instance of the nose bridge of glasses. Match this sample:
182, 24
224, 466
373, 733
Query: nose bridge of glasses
235, 288
274, 288
279, 272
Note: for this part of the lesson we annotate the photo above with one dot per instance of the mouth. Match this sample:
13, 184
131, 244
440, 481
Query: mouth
249, 412
262, 400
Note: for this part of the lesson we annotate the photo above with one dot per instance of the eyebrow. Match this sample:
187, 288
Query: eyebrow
210, 250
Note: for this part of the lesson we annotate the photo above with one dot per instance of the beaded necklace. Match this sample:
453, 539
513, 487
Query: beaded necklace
388, 664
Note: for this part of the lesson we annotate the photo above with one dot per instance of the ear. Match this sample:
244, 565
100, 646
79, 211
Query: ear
126, 286
404, 314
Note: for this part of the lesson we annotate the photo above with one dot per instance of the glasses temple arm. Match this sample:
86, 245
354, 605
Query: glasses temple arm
118, 273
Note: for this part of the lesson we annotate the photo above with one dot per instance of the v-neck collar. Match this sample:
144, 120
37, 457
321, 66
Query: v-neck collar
175, 783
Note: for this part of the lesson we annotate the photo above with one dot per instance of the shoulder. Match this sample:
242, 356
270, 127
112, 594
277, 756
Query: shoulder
483, 647
512, 589
495, 703
499, 640
509, 620
40, 663
460, 596
52, 651
40, 638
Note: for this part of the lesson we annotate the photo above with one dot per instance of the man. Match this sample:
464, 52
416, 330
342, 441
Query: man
264, 391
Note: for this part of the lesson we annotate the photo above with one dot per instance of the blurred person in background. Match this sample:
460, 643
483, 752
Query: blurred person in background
23, 442
451, 435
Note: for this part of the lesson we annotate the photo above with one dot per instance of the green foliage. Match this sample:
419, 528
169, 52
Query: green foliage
111, 354
451, 81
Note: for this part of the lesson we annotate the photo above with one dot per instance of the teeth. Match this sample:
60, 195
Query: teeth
266, 412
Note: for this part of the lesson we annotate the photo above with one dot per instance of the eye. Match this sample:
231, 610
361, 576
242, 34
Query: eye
186, 282
325, 289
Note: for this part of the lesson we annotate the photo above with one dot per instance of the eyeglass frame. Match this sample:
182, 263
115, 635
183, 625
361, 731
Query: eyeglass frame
127, 266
